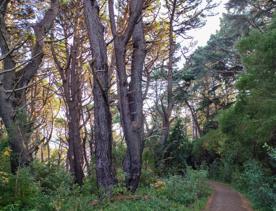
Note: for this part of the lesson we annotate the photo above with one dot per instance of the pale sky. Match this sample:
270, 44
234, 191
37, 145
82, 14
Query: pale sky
212, 25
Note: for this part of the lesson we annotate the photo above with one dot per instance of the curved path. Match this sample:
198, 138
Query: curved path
226, 199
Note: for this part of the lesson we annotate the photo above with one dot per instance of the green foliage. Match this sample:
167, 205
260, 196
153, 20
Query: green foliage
49, 187
245, 138
214, 140
176, 152
172, 193
251, 122
64, 2
193, 184
148, 177
43, 187
18, 191
5, 154
260, 188
51, 177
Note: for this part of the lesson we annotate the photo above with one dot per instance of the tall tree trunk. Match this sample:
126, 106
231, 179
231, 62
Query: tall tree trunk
165, 129
74, 109
130, 94
70, 69
102, 115
75, 151
8, 105
135, 103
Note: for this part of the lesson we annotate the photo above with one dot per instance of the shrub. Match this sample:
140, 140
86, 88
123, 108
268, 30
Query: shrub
173, 193
5, 153
186, 189
260, 187
19, 190
51, 176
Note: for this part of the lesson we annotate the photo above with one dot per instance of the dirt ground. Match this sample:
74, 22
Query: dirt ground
226, 199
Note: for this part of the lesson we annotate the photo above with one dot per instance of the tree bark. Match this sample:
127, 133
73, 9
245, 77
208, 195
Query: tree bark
130, 94
135, 97
75, 151
102, 114
165, 129
17, 143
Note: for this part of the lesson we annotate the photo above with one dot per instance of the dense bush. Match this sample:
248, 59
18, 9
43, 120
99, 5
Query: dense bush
188, 189
42, 187
50, 176
49, 187
18, 191
5, 153
172, 193
259, 187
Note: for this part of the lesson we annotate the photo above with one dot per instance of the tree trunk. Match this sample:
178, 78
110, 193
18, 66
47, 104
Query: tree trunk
75, 151
74, 108
71, 82
131, 104
165, 130
102, 115
19, 156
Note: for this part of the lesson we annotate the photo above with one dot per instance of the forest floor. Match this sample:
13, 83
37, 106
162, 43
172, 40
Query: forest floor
224, 198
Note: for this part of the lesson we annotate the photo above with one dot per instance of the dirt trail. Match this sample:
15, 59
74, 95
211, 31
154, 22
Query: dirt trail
226, 199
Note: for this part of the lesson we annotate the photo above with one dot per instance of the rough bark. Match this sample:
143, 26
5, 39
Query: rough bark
74, 109
165, 129
102, 115
130, 94
75, 152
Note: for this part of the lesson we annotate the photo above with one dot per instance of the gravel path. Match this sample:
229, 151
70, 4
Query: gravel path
226, 199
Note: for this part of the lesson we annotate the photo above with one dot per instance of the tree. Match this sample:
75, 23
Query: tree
130, 89
177, 150
101, 85
16, 77
182, 16
244, 15
257, 91
213, 71
69, 64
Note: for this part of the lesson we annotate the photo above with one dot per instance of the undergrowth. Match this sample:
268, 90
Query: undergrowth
49, 187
